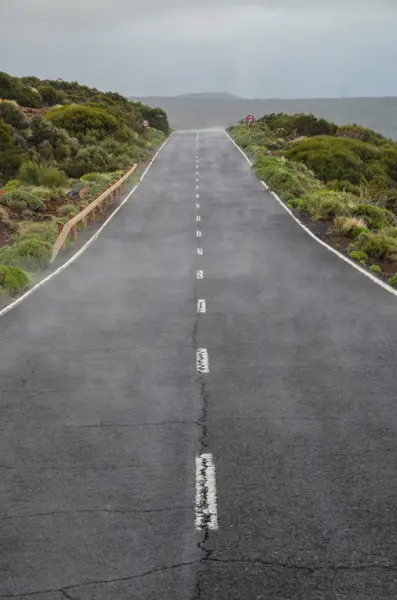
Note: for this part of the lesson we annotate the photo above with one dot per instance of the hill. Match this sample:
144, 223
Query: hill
57, 138
199, 111
341, 180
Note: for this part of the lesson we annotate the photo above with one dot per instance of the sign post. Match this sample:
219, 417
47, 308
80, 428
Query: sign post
250, 119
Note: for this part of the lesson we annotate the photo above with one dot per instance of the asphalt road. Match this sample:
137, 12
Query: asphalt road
103, 412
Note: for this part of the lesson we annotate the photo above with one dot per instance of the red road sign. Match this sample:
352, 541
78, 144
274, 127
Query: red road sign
250, 119
145, 123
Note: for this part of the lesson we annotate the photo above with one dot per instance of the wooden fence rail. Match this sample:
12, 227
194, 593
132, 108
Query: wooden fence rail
88, 212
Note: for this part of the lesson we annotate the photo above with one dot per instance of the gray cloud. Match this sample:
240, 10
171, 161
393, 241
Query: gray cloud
262, 48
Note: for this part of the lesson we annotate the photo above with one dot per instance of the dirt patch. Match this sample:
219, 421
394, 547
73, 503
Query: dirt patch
5, 234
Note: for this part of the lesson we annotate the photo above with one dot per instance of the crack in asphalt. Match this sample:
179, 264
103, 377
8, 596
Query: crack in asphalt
65, 589
97, 510
308, 568
99, 426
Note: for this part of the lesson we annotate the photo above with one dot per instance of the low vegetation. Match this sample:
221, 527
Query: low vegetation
57, 138
344, 176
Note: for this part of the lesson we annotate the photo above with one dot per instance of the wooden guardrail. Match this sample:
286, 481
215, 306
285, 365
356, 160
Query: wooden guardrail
89, 212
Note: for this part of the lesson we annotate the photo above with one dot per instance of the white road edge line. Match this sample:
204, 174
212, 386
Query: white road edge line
75, 256
206, 502
201, 306
374, 279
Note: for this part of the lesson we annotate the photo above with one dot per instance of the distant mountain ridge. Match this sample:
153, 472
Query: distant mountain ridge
198, 111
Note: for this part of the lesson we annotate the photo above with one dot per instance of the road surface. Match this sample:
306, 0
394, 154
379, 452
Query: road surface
151, 450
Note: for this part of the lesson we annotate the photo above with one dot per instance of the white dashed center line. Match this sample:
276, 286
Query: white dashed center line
200, 251
197, 195
198, 218
200, 274
203, 363
206, 504
201, 306
198, 233
197, 205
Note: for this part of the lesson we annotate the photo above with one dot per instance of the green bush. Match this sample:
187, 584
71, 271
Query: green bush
299, 125
11, 115
285, 177
33, 253
33, 174
355, 132
356, 231
68, 209
52, 177
393, 281
50, 95
321, 205
358, 255
12, 280
24, 198
29, 173
81, 119
375, 269
376, 245
376, 217
46, 231
328, 160
10, 155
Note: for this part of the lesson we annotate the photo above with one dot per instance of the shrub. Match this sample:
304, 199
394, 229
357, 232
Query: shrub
33, 252
356, 231
358, 255
12, 280
12, 115
46, 151
50, 95
52, 177
81, 119
286, 177
375, 269
10, 154
393, 281
324, 204
29, 173
22, 197
333, 158
13, 184
376, 217
360, 133
376, 245
33, 174
343, 186
346, 225
47, 231
67, 209
391, 232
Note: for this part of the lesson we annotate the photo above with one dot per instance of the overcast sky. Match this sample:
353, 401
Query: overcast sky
252, 48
